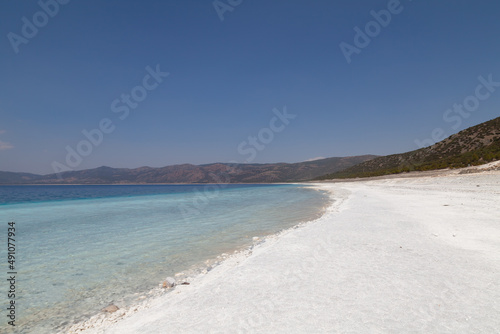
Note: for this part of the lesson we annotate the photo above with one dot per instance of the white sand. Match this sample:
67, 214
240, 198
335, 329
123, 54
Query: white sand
418, 255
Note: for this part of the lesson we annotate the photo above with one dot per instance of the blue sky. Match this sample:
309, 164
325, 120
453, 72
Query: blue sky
226, 77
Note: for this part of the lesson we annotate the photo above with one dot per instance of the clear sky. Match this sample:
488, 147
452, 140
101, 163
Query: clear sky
82, 59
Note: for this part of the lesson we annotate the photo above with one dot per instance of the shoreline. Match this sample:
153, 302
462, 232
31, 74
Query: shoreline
398, 250
120, 276
190, 274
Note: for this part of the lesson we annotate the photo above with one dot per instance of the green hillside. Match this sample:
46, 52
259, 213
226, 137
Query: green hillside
473, 146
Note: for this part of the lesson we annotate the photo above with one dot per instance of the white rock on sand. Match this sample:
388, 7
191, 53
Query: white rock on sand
413, 255
169, 282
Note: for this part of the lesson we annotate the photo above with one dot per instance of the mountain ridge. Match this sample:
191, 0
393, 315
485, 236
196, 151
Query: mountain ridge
475, 145
189, 173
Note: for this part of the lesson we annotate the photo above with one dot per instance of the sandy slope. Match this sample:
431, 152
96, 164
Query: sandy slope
391, 256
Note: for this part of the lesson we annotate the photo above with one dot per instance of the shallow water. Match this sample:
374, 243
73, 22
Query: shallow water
80, 248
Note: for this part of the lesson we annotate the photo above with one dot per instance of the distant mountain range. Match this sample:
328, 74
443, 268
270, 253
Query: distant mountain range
186, 173
473, 146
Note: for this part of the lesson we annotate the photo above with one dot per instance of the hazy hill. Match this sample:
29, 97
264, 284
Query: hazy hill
473, 146
16, 178
211, 173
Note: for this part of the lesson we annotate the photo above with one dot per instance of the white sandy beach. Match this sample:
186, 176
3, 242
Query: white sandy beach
396, 255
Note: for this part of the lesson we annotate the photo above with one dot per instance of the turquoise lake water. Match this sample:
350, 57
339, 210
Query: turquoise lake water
80, 248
